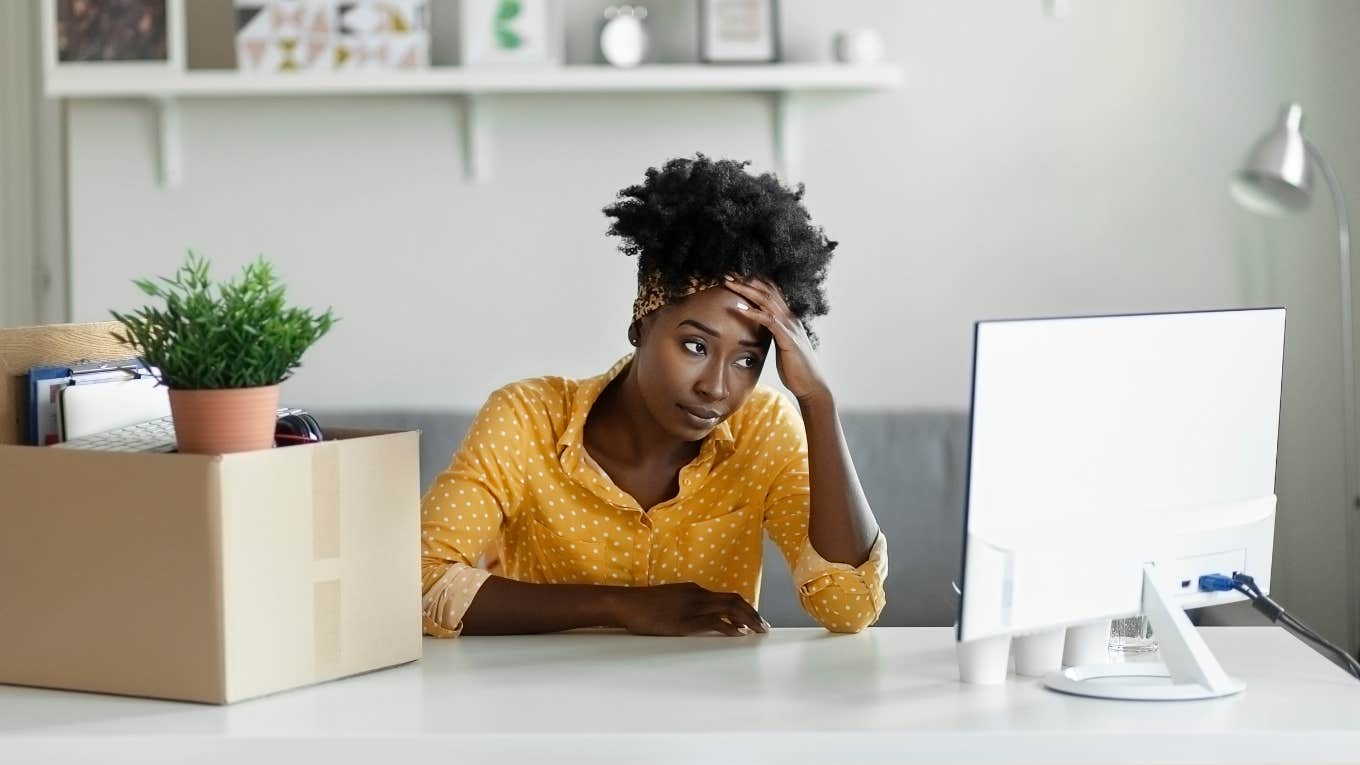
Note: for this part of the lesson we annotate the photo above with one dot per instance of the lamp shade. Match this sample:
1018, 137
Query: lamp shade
1277, 176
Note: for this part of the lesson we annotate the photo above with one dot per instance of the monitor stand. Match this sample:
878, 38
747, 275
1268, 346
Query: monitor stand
1190, 670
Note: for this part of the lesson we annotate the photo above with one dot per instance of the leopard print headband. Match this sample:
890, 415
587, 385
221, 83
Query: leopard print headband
652, 295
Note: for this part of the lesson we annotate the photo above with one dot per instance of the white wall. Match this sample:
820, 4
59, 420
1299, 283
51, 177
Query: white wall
32, 226
1028, 166
17, 293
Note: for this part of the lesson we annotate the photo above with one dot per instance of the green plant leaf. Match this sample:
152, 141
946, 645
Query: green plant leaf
237, 334
506, 38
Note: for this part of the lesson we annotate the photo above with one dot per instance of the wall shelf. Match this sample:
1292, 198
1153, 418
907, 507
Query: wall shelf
163, 90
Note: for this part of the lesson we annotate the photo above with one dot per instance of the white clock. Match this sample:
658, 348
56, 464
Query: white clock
623, 39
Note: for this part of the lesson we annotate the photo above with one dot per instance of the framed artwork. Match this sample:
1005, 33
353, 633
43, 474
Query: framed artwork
113, 35
331, 35
738, 31
511, 31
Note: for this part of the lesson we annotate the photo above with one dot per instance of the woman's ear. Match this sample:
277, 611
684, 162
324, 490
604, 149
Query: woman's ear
638, 330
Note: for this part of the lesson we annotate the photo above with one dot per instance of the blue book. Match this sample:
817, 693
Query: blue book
44, 387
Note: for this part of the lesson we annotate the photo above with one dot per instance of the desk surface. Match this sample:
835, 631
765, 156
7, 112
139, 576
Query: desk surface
795, 695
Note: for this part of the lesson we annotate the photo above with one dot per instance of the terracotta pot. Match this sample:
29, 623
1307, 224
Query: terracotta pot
224, 421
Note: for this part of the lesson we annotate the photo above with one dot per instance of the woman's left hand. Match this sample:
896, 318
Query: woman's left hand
794, 356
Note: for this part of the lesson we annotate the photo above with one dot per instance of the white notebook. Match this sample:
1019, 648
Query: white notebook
96, 407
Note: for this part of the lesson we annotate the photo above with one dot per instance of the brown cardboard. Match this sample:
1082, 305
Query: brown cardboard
209, 578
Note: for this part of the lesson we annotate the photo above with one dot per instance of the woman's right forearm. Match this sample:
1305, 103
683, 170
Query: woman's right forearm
509, 607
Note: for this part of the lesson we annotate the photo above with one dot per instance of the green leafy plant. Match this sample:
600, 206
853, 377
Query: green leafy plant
506, 11
239, 334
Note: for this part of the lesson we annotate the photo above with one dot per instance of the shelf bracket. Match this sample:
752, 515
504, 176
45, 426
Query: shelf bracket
476, 161
169, 141
785, 135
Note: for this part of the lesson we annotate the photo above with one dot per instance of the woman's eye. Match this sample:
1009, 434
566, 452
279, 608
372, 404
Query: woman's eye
694, 346
751, 362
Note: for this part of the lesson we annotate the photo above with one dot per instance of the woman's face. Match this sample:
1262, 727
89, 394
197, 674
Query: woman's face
698, 360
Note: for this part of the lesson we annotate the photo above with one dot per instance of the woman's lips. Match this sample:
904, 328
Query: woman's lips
700, 417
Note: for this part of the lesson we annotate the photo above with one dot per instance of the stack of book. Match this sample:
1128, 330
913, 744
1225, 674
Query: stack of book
67, 401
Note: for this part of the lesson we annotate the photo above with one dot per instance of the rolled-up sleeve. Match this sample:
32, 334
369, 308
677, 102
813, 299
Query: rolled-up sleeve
464, 511
841, 597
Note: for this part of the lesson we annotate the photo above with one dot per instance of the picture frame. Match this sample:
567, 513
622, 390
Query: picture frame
510, 32
738, 31
287, 36
112, 36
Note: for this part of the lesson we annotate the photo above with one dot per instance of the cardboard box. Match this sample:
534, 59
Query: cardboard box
206, 578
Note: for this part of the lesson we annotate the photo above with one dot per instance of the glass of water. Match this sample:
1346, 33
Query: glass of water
1132, 635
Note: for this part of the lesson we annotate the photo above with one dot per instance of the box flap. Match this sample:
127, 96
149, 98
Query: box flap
27, 347
345, 434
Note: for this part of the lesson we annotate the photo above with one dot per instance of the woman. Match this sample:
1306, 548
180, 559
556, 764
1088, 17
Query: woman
637, 498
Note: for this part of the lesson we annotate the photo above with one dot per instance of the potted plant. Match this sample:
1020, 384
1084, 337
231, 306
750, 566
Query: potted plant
222, 350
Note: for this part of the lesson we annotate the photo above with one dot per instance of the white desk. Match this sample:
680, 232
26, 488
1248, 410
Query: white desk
795, 695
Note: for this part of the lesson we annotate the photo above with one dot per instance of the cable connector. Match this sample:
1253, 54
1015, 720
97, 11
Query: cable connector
1246, 585
1216, 583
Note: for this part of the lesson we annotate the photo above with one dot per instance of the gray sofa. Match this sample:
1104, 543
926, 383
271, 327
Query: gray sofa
912, 466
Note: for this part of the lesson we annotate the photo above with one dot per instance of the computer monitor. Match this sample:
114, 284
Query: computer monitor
1113, 461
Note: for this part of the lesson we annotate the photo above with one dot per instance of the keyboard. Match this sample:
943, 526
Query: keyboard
156, 435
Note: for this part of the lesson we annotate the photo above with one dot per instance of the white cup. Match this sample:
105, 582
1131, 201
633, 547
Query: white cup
1087, 644
1039, 653
858, 46
984, 662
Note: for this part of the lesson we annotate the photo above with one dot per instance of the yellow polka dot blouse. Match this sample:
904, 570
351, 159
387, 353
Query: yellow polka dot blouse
523, 490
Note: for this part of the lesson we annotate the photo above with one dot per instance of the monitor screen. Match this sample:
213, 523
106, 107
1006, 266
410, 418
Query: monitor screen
1100, 444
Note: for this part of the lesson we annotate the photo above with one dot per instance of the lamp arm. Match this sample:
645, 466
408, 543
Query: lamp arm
1347, 348
1348, 377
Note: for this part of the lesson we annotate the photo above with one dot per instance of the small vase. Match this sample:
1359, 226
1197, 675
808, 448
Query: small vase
226, 420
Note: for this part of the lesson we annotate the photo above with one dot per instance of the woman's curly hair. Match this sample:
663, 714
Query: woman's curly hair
702, 218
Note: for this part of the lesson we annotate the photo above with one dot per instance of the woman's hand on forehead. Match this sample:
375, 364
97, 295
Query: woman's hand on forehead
794, 356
